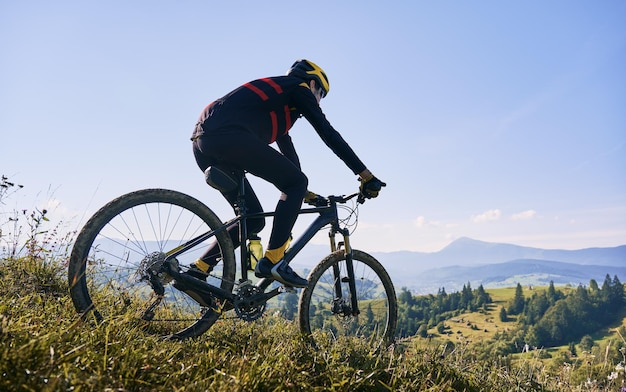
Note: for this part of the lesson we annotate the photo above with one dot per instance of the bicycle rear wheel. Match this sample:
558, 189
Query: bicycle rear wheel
322, 312
128, 236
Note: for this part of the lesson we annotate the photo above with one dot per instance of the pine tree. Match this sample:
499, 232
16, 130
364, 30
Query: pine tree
517, 304
617, 292
406, 297
466, 296
503, 316
586, 343
481, 297
552, 295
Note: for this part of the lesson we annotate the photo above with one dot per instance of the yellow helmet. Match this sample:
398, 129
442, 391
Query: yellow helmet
308, 70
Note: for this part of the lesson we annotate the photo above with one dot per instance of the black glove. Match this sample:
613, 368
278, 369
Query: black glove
315, 200
370, 186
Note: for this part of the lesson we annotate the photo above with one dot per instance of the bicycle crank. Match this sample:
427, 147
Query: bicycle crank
250, 302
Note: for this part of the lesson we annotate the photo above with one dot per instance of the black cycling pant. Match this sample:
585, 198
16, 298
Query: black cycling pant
241, 150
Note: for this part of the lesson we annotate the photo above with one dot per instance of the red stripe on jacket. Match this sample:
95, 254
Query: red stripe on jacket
274, 127
257, 90
274, 85
273, 116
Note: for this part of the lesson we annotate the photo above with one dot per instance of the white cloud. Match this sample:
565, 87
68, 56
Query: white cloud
487, 216
524, 215
421, 221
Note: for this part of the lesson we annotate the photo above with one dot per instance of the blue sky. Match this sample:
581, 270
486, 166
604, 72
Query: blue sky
499, 121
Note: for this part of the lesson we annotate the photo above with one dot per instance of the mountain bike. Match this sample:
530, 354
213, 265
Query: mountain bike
130, 255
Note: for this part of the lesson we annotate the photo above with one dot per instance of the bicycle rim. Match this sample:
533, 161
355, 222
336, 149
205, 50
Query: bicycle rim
132, 233
325, 316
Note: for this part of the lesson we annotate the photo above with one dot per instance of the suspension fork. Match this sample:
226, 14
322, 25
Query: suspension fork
349, 269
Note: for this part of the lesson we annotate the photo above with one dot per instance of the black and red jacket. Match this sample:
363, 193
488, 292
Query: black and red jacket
268, 108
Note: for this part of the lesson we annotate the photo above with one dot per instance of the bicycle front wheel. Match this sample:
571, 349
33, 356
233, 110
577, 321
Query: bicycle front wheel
325, 308
130, 237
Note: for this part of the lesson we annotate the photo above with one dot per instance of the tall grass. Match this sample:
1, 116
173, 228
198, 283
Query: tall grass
44, 346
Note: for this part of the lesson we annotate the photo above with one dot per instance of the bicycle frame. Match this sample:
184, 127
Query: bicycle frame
327, 215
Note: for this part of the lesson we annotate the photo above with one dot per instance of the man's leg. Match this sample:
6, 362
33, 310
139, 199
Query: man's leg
209, 259
247, 152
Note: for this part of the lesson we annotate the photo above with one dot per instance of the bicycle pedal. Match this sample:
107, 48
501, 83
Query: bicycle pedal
289, 289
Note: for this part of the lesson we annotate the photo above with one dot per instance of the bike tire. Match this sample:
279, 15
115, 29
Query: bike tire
124, 237
376, 300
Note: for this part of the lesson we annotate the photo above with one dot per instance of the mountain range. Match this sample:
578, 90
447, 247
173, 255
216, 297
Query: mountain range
500, 265
477, 262
491, 264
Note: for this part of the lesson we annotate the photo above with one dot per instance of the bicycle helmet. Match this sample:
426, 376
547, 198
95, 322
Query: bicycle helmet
308, 70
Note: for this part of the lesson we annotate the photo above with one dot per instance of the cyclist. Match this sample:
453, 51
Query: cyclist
234, 133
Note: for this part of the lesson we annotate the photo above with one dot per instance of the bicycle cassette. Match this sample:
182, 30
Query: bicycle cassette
152, 265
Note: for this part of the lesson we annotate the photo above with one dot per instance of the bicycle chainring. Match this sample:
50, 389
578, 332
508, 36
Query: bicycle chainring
246, 308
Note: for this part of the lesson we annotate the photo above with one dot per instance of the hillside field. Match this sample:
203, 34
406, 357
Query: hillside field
473, 327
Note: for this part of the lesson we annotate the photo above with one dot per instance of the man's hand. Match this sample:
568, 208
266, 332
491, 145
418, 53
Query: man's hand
370, 186
315, 200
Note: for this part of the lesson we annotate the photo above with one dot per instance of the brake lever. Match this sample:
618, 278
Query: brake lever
318, 201
346, 198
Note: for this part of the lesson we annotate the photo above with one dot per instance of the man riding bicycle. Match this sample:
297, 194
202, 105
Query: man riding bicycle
234, 134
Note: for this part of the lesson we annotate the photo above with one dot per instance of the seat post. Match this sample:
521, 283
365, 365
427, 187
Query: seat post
242, 210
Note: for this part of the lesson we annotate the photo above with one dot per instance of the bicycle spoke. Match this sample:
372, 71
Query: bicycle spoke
326, 311
119, 250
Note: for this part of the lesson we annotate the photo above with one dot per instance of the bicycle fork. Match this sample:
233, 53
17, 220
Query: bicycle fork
351, 279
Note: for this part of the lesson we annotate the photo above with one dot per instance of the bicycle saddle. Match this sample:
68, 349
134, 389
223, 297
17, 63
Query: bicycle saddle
220, 179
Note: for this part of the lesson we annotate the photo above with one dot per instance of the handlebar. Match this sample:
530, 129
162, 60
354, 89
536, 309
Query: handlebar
321, 201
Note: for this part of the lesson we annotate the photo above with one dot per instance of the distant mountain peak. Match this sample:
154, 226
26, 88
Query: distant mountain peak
465, 241
500, 265
469, 244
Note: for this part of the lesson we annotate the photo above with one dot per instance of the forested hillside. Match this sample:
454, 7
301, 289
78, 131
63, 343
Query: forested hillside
546, 318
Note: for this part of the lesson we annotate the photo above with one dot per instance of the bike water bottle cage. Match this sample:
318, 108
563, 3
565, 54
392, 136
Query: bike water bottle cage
220, 179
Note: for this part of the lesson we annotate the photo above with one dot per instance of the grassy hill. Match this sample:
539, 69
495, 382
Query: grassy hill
482, 331
44, 347
483, 325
